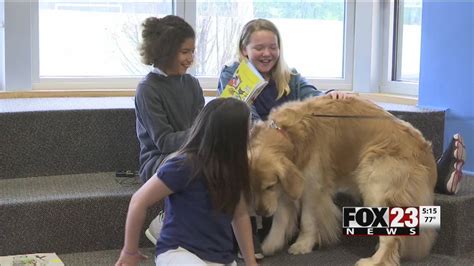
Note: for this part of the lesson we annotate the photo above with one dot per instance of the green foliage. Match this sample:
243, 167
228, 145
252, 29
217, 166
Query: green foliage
300, 9
296, 9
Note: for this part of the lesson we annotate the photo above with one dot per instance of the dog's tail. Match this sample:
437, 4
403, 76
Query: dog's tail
418, 247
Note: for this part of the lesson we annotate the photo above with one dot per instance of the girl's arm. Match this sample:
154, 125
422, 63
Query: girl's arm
243, 232
224, 77
307, 90
150, 193
303, 87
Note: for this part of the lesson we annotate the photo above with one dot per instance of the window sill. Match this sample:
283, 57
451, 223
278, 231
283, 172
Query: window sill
377, 97
91, 100
77, 93
390, 98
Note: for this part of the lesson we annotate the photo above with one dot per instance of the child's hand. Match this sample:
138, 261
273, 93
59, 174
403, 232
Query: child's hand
130, 259
340, 95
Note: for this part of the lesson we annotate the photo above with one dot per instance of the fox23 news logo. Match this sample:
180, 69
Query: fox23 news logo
386, 221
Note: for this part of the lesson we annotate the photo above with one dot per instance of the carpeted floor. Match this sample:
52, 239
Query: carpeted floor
346, 253
334, 256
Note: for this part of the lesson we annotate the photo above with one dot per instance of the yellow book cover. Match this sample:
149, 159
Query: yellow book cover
37, 259
246, 83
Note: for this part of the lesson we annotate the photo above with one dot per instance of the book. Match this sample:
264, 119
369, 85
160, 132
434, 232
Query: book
246, 83
37, 259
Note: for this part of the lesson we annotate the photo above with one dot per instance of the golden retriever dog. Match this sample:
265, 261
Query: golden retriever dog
306, 151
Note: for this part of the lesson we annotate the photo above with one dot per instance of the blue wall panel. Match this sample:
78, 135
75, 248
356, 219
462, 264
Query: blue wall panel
446, 67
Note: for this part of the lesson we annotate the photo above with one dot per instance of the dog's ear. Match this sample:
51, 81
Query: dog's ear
291, 179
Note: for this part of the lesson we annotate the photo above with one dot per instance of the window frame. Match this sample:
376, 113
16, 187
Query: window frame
344, 83
388, 84
26, 77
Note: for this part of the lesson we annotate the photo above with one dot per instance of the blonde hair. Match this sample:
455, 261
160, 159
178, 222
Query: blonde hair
280, 73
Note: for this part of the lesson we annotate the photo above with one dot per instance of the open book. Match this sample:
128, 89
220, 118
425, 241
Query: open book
246, 83
38, 259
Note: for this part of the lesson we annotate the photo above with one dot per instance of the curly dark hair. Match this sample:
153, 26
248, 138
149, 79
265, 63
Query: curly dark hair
162, 38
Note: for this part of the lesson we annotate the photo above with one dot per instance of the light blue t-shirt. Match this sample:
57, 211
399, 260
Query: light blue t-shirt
190, 221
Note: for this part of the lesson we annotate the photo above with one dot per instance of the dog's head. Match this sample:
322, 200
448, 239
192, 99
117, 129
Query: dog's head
272, 176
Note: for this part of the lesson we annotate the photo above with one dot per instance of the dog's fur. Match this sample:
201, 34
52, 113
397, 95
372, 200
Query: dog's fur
299, 162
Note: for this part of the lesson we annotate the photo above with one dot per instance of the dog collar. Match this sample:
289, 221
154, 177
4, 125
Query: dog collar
272, 124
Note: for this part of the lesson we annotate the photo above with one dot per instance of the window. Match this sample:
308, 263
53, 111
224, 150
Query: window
318, 53
407, 41
93, 38
402, 39
92, 44
112, 30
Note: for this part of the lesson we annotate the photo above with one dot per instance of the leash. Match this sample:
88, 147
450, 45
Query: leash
352, 116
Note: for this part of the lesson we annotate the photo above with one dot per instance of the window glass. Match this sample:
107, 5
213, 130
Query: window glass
312, 33
407, 41
100, 38
93, 38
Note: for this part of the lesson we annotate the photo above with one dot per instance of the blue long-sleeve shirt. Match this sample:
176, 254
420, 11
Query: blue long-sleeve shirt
165, 108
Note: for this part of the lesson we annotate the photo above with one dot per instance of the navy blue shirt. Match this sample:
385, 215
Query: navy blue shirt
190, 221
267, 100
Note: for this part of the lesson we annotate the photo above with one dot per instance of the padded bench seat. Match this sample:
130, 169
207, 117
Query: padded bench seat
66, 213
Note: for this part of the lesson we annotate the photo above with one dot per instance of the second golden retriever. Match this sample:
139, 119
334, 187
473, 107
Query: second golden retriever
306, 151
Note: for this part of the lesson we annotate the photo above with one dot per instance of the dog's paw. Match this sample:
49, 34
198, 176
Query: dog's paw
365, 262
372, 262
269, 248
300, 247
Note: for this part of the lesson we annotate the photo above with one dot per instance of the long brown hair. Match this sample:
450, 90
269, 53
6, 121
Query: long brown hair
217, 147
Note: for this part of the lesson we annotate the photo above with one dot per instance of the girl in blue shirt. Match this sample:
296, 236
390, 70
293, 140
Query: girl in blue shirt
206, 188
